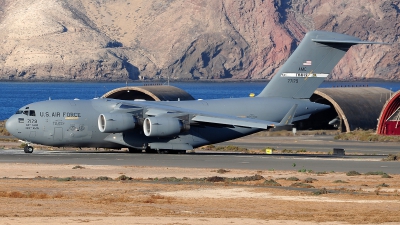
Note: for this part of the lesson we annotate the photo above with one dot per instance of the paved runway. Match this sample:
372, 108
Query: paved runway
206, 160
318, 143
372, 152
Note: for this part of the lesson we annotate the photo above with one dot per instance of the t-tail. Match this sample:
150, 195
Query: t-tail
308, 66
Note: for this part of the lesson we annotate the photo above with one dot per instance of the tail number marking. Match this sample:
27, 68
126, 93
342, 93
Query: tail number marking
293, 81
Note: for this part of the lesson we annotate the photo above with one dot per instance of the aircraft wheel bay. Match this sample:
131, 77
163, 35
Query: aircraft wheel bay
156, 151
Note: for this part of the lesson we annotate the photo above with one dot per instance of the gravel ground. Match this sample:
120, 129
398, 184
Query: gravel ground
72, 194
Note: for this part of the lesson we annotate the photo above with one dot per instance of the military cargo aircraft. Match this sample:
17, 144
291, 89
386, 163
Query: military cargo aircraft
177, 126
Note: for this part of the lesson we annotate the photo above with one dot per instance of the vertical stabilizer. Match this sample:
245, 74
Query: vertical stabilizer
308, 66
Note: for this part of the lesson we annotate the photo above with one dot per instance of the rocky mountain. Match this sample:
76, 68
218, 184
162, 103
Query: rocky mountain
187, 39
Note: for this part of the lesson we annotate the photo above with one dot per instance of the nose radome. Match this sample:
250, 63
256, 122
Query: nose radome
11, 125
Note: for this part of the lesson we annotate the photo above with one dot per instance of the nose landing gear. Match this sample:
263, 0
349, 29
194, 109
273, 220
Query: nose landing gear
28, 149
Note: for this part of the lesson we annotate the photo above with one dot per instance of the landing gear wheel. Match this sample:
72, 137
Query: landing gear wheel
28, 149
163, 151
134, 150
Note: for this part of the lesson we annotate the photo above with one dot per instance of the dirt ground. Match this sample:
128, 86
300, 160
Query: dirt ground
79, 194
87, 194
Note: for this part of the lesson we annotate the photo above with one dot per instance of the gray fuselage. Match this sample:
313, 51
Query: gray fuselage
75, 122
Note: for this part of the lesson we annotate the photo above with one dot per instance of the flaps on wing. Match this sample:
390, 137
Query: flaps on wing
246, 122
235, 121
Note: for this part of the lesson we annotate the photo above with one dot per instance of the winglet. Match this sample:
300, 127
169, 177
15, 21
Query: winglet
288, 119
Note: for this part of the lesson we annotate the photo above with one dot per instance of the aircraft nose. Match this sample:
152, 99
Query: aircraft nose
11, 125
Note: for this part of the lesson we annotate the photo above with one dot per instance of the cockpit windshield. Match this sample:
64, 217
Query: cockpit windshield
27, 112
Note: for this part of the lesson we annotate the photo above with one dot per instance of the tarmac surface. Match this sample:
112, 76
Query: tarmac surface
360, 156
316, 143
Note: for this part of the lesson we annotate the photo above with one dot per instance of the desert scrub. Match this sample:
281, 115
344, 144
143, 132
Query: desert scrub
78, 167
321, 191
301, 185
285, 133
340, 181
382, 185
392, 157
366, 135
310, 180
293, 179
271, 182
61, 179
374, 173
229, 148
223, 171
103, 178
124, 177
3, 130
385, 175
353, 173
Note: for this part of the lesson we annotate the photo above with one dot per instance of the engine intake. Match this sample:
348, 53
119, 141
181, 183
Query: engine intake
116, 122
162, 126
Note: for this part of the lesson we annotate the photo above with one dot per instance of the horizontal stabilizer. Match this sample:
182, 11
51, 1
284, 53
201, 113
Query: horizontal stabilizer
353, 42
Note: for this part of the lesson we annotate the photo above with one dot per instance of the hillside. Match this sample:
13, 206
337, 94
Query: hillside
187, 39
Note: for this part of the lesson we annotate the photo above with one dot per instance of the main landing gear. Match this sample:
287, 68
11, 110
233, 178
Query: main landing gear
158, 151
135, 150
166, 151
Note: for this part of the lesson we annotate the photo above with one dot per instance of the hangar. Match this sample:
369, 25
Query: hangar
351, 107
149, 93
389, 119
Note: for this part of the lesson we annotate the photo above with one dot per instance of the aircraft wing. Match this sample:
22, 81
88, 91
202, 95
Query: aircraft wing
217, 118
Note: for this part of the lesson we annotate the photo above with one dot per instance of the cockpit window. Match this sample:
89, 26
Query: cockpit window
27, 112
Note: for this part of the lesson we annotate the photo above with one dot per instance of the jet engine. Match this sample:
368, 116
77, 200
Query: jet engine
163, 126
116, 122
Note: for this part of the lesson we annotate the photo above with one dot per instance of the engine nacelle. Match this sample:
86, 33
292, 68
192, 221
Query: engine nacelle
162, 126
116, 122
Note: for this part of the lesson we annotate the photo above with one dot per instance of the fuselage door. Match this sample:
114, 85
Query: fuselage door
58, 134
